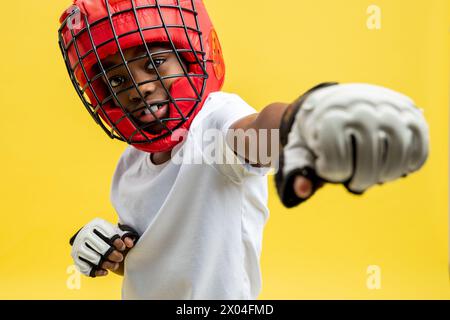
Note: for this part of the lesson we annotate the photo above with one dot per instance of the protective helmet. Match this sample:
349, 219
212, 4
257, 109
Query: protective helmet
92, 30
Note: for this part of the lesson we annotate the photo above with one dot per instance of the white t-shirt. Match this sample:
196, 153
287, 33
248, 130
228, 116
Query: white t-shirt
201, 225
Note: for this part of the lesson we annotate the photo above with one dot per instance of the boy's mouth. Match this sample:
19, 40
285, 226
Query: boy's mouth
147, 120
146, 116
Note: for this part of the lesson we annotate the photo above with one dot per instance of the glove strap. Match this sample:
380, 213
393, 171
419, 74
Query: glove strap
285, 184
129, 232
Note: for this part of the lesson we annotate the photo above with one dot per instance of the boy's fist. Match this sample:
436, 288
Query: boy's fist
100, 245
356, 134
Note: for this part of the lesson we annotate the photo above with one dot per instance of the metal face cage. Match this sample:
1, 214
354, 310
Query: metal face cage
99, 97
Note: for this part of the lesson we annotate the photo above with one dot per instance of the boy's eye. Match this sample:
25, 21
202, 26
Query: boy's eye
157, 63
116, 81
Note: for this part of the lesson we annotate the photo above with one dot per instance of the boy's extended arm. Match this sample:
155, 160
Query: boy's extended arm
355, 134
268, 119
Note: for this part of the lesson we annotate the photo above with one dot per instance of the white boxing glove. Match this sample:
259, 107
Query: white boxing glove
356, 134
93, 243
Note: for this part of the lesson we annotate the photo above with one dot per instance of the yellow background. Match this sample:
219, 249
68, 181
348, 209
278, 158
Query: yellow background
56, 164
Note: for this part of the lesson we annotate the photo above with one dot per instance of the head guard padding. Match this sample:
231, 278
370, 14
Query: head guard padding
92, 30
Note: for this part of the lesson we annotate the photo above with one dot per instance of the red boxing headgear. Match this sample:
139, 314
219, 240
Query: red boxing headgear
92, 30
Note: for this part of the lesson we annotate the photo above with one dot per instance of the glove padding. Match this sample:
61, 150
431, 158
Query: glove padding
356, 134
93, 243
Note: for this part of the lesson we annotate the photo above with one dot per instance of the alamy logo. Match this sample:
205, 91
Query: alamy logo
74, 21
373, 277
74, 279
374, 18
212, 146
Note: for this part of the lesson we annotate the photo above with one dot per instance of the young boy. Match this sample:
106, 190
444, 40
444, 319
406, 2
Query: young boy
191, 209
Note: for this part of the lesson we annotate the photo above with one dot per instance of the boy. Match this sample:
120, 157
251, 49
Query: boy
191, 211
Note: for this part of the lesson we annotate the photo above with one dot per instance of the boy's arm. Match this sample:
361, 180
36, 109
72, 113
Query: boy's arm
359, 135
268, 119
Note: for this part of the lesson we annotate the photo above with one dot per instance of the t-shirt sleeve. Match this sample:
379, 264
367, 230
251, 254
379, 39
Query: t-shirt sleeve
229, 108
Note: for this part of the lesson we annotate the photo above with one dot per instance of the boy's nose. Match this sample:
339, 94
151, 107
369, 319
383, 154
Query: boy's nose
145, 89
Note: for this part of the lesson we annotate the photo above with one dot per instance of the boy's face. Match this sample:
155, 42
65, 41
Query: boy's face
143, 70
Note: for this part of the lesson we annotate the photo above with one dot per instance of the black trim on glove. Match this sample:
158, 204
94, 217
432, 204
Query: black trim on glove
72, 240
94, 268
130, 232
103, 257
285, 184
354, 155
